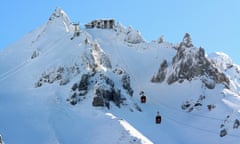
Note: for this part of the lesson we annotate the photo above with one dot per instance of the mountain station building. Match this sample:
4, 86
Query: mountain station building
101, 24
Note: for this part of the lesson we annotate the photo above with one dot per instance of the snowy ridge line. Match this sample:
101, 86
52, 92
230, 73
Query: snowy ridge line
133, 131
191, 126
39, 34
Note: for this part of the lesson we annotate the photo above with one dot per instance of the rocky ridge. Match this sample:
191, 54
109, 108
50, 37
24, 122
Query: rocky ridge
189, 63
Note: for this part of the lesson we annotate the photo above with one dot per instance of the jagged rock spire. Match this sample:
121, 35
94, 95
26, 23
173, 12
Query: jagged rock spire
187, 41
190, 62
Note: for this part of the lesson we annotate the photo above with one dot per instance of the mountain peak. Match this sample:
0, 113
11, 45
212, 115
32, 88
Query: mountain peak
187, 41
59, 15
58, 12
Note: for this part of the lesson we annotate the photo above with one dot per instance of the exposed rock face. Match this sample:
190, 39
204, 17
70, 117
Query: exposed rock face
104, 87
60, 74
161, 75
35, 54
187, 41
1, 140
229, 123
133, 36
95, 58
79, 90
191, 105
100, 56
190, 62
59, 13
83, 85
106, 91
104, 96
126, 84
98, 101
130, 35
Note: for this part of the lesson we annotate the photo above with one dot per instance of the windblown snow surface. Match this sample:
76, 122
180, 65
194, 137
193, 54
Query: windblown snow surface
33, 111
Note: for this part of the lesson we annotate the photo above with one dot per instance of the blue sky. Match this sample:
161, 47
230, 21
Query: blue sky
213, 24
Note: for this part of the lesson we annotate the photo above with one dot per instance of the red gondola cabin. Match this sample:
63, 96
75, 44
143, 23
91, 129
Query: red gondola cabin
158, 118
143, 99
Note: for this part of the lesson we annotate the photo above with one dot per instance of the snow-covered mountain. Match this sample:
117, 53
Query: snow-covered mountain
61, 84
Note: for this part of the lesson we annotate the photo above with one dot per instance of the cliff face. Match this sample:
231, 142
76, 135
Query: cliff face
188, 63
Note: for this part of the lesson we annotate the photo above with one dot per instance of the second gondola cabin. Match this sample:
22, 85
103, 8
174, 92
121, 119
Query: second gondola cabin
158, 118
143, 99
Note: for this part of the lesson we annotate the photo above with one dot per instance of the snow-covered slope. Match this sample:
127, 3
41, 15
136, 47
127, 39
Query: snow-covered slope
61, 87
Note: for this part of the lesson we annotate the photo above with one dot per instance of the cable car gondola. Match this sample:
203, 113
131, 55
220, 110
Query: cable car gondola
143, 99
158, 118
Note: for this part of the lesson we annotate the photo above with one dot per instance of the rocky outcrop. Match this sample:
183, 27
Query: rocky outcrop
80, 89
98, 101
133, 36
190, 105
60, 74
35, 54
105, 92
126, 84
59, 13
161, 75
100, 57
83, 85
95, 58
230, 123
125, 79
105, 89
1, 139
105, 96
190, 62
130, 35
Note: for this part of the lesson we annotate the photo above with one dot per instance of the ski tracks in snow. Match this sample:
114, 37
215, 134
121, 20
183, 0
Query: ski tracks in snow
22, 65
13, 71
